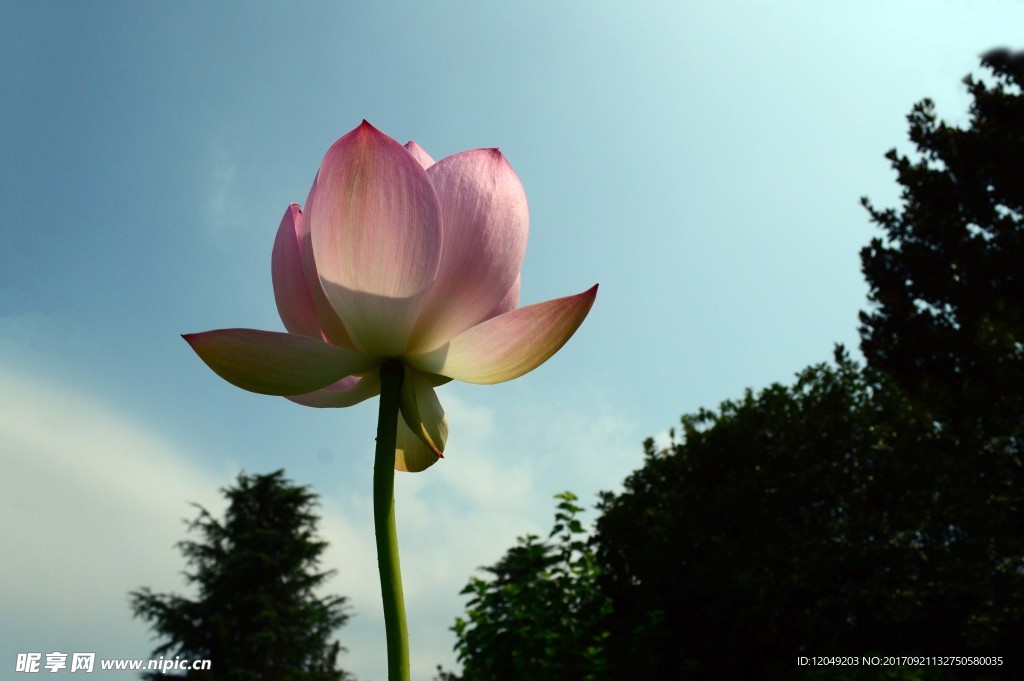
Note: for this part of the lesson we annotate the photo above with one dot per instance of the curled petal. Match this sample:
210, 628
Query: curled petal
420, 154
412, 455
375, 224
346, 392
422, 412
333, 328
274, 363
510, 345
291, 291
486, 222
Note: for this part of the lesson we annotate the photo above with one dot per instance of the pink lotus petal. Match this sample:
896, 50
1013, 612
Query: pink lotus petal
333, 328
396, 256
275, 363
375, 223
294, 303
346, 392
510, 345
420, 154
412, 455
422, 412
486, 222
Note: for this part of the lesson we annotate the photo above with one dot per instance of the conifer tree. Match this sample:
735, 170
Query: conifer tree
257, 614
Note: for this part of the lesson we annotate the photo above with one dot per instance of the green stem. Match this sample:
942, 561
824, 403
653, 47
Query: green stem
391, 373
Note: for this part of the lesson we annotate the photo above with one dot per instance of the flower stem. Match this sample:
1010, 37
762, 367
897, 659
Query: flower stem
391, 373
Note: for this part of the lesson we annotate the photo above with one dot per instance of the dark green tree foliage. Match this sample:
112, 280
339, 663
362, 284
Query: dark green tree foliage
947, 279
256, 615
947, 326
806, 520
540, 616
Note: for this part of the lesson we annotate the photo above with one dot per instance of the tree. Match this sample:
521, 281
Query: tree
798, 521
947, 326
947, 281
540, 616
256, 615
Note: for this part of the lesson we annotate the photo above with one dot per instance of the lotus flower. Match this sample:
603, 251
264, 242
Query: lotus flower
398, 257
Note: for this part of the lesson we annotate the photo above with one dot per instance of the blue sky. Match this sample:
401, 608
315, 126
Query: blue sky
702, 161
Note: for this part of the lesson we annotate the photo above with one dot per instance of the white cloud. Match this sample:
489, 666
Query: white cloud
91, 507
